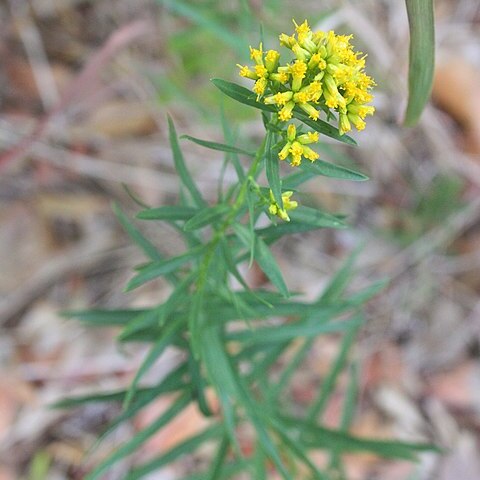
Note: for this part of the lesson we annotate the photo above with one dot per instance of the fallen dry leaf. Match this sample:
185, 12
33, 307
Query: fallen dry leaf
118, 119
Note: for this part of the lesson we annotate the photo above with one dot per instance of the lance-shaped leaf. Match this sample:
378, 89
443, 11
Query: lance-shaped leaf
181, 168
168, 213
158, 269
247, 97
140, 438
316, 218
339, 441
263, 256
184, 448
421, 57
221, 147
272, 169
206, 217
105, 318
327, 169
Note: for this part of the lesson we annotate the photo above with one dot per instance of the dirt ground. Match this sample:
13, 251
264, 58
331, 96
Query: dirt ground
84, 91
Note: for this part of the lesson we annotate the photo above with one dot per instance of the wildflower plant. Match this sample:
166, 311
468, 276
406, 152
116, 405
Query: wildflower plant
216, 319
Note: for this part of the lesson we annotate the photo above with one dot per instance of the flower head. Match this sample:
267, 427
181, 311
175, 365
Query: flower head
325, 73
274, 208
296, 146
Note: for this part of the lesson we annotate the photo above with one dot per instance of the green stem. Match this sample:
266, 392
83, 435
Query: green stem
194, 323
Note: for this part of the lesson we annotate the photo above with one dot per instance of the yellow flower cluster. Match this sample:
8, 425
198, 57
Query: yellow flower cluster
296, 146
288, 204
325, 74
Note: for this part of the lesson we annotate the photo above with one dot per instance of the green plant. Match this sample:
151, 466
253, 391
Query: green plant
224, 331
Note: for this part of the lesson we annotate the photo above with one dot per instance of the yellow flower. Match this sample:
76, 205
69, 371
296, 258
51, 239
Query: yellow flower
257, 55
296, 146
326, 73
271, 60
288, 204
298, 70
286, 112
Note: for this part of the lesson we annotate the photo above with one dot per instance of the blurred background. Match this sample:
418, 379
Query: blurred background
84, 91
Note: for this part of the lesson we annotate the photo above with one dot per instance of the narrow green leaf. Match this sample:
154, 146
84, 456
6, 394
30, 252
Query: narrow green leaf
421, 57
328, 385
264, 257
339, 281
241, 94
327, 169
290, 331
206, 217
104, 318
173, 381
272, 233
247, 97
229, 137
158, 269
198, 384
338, 441
251, 199
272, 169
142, 321
219, 146
223, 375
228, 471
289, 370
170, 213
135, 234
316, 218
296, 179
350, 401
182, 168
219, 460
155, 352
140, 438
322, 127
186, 447
297, 450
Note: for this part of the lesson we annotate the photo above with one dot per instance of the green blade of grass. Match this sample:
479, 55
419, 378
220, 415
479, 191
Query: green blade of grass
421, 57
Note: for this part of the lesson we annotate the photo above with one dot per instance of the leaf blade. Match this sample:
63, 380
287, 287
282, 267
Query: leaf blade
421, 57
181, 167
221, 147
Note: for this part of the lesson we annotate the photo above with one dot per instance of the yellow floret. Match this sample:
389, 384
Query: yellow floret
257, 55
